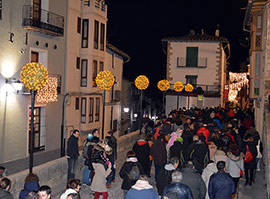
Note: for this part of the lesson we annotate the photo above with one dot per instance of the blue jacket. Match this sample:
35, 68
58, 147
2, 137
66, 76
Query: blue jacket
183, 191
141, 194
29, 186
221, 185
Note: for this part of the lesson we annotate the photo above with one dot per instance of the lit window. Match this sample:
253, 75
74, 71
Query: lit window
83, 110
97, 109
94, 73
84, 73
85, 29
91, 109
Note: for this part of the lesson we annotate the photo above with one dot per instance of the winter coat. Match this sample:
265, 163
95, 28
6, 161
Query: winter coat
142, 150
67, 192
99, 181
173, 137
164, 177
175, 151
235, 163
72, 147
207, 172
5, 194
124, 171
143, 190
252, 133
200, 152
195, 182
205, 132
29, 186
253, 149
221, 185
158, 152
220, 156
187, 137
183, 191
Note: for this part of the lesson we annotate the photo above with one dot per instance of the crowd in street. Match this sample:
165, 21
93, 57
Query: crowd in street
196, 153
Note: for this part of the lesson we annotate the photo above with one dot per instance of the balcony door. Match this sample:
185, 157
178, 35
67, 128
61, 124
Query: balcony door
36, 10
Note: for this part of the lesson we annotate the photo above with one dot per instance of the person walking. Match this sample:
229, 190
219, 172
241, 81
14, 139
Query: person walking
5, 185
72, 153
209, 170
73, 186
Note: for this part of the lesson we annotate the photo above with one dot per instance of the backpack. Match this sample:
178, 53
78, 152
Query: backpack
85, 149
134, 173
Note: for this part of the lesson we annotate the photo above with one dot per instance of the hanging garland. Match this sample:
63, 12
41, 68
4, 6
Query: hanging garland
163, 85
178, 86
105, 80
142, 82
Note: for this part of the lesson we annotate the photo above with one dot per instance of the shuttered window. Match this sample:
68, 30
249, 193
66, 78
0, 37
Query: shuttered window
192, 57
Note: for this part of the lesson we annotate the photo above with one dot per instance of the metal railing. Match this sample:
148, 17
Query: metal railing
43, 20
202, 62
208, 89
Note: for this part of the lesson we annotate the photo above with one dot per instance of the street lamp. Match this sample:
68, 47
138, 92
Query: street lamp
34, 76
163, 85
141, 82
178, 87
126, 110
189, 88
105, 81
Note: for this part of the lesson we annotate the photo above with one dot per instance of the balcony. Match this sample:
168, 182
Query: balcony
42, 21
202, 62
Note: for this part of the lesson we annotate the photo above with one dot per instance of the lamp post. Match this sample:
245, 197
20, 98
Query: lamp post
105, 81
141, 82
189, 88
163, 85
34, 76
178, 87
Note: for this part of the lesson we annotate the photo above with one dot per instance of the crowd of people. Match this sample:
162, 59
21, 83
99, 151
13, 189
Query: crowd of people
196, 153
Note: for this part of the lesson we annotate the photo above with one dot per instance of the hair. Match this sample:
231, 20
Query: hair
31, 177
4, 183
142, 136
177, 176
189, 164
215, 135
143, 177
202, 137
32, 195
74, 195
75, 131
45, 188
131, 154
233, 147
73, 183
174, 160
220, 165
196, 137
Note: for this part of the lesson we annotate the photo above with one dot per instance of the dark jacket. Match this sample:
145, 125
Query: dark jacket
5, 194
142, 194
177, 150
90, 150
183, 191
187, 137
72, 147
124, 171
195, 182
252, 145
200, 153
28, 186
142, 150
158, 152
221, 185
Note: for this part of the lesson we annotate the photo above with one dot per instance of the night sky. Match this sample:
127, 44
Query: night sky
137, 27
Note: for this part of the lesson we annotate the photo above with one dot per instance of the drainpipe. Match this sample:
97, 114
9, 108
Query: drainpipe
63, 139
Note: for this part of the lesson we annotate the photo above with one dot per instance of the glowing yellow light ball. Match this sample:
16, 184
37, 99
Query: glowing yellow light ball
189, 88
178, 86
142, 82
105, 80
163, 85
34, 76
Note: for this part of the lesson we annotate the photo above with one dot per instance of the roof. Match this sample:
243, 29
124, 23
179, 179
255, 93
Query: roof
118, 51
198, 37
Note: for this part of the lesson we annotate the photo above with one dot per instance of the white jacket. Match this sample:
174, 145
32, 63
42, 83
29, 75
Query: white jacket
67, 192
207, 172
234, 164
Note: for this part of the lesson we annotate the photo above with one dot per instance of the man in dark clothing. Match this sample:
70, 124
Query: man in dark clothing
194, 181
221, 185
177, 150
72, 153
159, 153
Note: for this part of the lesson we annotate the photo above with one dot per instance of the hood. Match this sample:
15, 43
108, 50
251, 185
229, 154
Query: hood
212, 167
141, 142
141, 184
220, 153
169, 167
31, 186
234, 157
132, 159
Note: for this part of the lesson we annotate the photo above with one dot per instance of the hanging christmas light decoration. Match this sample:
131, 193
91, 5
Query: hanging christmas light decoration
237, 82
34, 76
105, 80
142, 82
189, 88
178, 86
49, 92
163, 85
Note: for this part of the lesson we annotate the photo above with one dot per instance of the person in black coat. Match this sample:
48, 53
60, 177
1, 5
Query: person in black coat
126, 168
177, 150
72, 153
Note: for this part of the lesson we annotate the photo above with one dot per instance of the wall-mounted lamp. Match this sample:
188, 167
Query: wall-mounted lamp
126, 110
135, 115
17, 85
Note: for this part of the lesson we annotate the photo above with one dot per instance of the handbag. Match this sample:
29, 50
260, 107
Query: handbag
248, 156
258, 150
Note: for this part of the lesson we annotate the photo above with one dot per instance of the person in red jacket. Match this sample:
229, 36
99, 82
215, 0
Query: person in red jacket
205, 132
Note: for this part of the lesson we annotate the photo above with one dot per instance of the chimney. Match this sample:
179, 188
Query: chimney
217, 31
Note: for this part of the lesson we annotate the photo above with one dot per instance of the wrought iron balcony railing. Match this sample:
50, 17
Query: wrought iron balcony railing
202, 62
42, 21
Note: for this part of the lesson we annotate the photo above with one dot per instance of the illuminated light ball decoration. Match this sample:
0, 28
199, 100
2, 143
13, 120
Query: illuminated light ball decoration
142, 82
178, 86
105, 80
34, 76
49, 92
189, 88
163, 85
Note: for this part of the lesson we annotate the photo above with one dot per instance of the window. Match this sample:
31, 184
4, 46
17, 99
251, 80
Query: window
101, 66
79, 24
78, 62
34, 56
94, 73
256, 87
257, 64
77, 103
83, 110
112, 60
102, 32
191, 79
91, 109
259, 22
192, 57
97, 109
87, 3
85, 29
1, 9
96, 34
84, 73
